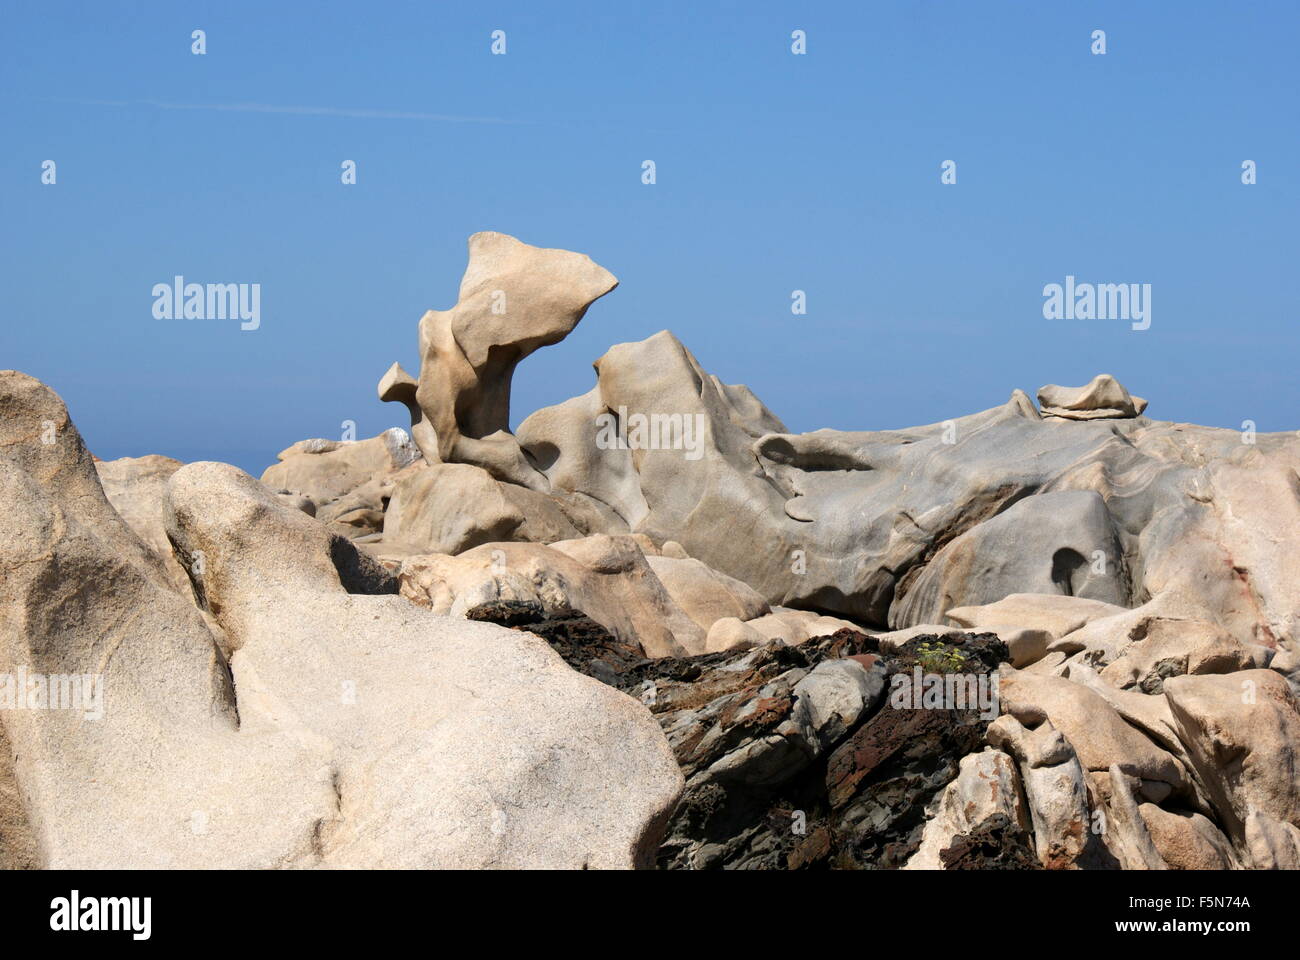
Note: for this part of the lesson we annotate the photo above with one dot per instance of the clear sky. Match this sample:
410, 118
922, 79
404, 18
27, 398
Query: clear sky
775, 172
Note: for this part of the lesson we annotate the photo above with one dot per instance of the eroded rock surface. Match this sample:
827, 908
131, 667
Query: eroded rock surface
340, 726
347, 484
514, 298
795, 756
1127, 587
1102, 398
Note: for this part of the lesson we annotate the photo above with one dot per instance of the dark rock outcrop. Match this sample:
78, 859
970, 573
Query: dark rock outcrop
763, 790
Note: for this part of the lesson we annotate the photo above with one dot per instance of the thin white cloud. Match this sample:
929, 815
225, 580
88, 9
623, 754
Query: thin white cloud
362, 114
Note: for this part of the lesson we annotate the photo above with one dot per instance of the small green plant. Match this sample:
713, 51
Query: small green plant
936, 657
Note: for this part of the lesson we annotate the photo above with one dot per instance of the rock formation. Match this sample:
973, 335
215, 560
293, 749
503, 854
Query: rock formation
513, 299
335, 724
1102, 398
346, 484
464, 646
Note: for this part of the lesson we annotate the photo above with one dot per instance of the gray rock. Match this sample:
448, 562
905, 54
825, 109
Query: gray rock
831, 698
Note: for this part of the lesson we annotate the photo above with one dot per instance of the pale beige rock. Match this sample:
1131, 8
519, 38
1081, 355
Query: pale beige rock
1240, 731
731, 633
1055, 788
647, 545
1187, 840
298, 502
358, 731
1025, 645
987, 783
1043, 544
1285, 662
1051, 665
1226, 547
453, 744
672, 548
1271, 844
1164, 647
1092, 726
1103, 397
1056, 614
137, 489
793, 627
1126, 835
694, 492
453, 507
18, 841
1249, 583
706, 595
1147, 712
1106, 638
606, 578
327, 470
514, 298
893, 527
564, 443
155, 770
824, 626
346, 483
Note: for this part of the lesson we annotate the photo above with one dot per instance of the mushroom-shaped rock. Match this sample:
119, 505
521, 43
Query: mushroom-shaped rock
514, 298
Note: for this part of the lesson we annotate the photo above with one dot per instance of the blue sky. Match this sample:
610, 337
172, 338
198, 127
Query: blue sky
775, 172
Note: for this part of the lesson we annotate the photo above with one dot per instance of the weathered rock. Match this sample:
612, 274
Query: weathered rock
731, 634
514, 298
1187, 840
346, 483
1104, 639
988, 785
832, 697
1096, 732
998, 843
413, 706
673, 549
147, 764
1103, 397
1046, 544
605, 578
343, 731
18, 839
885, 527
1125, 832
137, 489
1164, 648
1241, 731
757, 731
454, 507
583, 643
893, 640
1149, 713
1055, 614
1055, 788
1141, 573
1271, 844
796, 626
299, 502
1025, 646
706, 595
